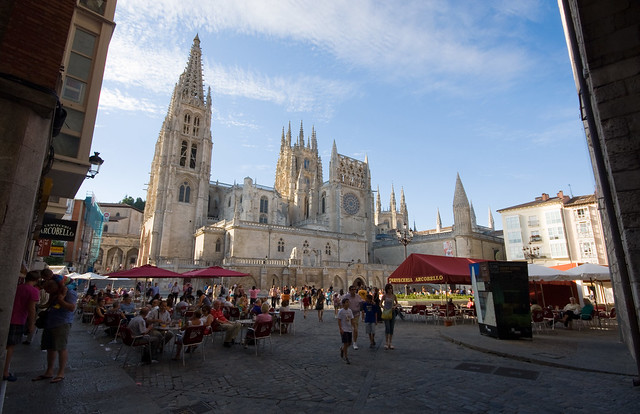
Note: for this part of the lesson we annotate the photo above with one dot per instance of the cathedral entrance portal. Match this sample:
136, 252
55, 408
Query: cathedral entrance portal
359, 283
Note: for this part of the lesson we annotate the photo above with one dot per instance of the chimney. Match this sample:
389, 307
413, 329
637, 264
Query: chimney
563, 197
545, 196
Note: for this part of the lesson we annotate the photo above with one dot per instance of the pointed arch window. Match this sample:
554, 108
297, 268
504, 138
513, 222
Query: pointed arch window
186, 125
194, 155
264, 205
327, 249
183, 154
196, 126
306, 207
323, 203
305, 247
263, 219
218, 245
281, 246
184, 195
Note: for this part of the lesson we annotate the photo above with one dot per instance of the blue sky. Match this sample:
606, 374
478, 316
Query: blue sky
424, 89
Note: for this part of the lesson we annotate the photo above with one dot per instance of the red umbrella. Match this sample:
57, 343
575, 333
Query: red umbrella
146, 271
213, 271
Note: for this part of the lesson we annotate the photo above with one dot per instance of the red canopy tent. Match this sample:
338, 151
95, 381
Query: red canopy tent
214, 271
427, 268
145, 271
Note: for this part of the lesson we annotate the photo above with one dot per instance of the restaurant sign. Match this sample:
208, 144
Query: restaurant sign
55, 229
418, 279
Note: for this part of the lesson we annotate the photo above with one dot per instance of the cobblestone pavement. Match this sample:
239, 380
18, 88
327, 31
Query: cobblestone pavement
432, 368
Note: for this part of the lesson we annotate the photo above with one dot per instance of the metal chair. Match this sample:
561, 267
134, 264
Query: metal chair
113, 320
261, 332
131, 341
192, 337
286, 320
537, 321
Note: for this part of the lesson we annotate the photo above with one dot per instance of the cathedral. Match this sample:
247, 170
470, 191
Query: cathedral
304, 230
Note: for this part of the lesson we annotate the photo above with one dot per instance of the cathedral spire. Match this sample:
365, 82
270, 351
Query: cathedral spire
403, 207
474, 224
438, 223
190, 83
301, 137
314, 141
378, 203
461, 209
289, 135
392, 205
282, 140
491, 223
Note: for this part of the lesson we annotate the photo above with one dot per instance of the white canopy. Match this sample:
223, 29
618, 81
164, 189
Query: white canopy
545, 274
588, 271
89, 276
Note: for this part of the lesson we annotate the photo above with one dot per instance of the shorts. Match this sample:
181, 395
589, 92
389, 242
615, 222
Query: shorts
15, 334
370, 328
55, 339
347, 337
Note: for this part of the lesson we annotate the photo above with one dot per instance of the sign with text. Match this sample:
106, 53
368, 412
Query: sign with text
55, 229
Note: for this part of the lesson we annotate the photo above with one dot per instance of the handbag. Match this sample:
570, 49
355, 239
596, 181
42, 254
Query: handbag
41, 321
387, 314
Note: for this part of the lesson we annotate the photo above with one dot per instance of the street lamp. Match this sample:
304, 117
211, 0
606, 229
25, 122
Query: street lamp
405, 235
95, 162
531, 253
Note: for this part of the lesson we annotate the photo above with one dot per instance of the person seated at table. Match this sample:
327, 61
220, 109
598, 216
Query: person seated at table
99, 312
263, 317
227, 302
139, 327
587, 310
257, 308
242, 304
232, 329
114, 310
127, 306
195, 320
570, 311
450, 305
155, 299
202, 299
206, 318
284, 306
535, 306
471, 304
180, 308
161, 316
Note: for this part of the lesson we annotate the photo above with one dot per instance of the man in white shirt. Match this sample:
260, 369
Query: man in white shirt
138, 327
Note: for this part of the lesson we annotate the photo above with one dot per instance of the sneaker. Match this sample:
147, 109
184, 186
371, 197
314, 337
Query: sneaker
355, 346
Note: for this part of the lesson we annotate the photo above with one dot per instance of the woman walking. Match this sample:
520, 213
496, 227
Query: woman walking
320, 304
389, 301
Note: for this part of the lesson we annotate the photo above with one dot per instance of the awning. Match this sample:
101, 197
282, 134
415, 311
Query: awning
213, 271
426, 268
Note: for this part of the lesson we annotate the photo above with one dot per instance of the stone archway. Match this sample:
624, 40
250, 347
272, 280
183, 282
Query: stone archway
338, 284
359, 282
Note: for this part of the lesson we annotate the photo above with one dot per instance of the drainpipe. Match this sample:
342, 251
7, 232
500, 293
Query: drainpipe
598, 158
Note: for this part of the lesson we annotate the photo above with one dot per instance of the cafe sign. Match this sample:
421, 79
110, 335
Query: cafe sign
55, 229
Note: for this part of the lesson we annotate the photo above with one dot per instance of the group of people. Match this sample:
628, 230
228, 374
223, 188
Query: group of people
59, 303
570, 312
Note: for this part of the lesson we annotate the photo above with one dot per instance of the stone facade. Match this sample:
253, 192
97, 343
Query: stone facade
120, 237
304, 230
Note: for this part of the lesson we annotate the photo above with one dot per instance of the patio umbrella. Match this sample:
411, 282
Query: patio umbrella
588, 271
213, 271
88, 276
145, 272
538, 273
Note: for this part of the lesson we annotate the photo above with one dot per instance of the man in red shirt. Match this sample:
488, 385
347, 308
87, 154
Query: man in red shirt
232, 329
24, 312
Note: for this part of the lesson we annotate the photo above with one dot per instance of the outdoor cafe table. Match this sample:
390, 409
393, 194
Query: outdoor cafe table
175, 329
245, 324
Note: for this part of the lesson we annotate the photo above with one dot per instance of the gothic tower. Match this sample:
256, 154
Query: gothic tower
462, 221
299, 175
177, 192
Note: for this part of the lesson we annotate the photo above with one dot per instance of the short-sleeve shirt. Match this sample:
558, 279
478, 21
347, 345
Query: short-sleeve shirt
137, 325
25, 293
370, 311
58, 315
354, 302
345, 316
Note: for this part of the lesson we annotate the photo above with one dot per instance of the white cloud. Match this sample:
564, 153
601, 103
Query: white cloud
113, 99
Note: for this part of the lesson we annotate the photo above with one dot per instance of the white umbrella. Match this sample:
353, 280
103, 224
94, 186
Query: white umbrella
544, 274
90, 276
588, 271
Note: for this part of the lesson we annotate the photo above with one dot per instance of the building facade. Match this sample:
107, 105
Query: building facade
120, 238
557, 230
303, 230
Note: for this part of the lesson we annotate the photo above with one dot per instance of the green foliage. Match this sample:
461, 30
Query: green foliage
138, 203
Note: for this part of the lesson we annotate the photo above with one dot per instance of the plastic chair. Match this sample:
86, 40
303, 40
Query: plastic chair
286, 320
537, 321
261, 332
549, 317
131, 341
193, 336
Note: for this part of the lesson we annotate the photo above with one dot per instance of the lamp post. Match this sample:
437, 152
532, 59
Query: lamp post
531, 253
95, 162
405, 235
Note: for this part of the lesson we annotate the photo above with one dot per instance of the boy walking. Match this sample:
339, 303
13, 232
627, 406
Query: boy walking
370, 318
345, 315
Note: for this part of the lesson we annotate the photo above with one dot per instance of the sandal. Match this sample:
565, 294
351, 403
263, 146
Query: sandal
41, 377
386, 347
56, 380
392, 347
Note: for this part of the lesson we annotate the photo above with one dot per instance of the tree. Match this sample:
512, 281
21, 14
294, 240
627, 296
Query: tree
138, 203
